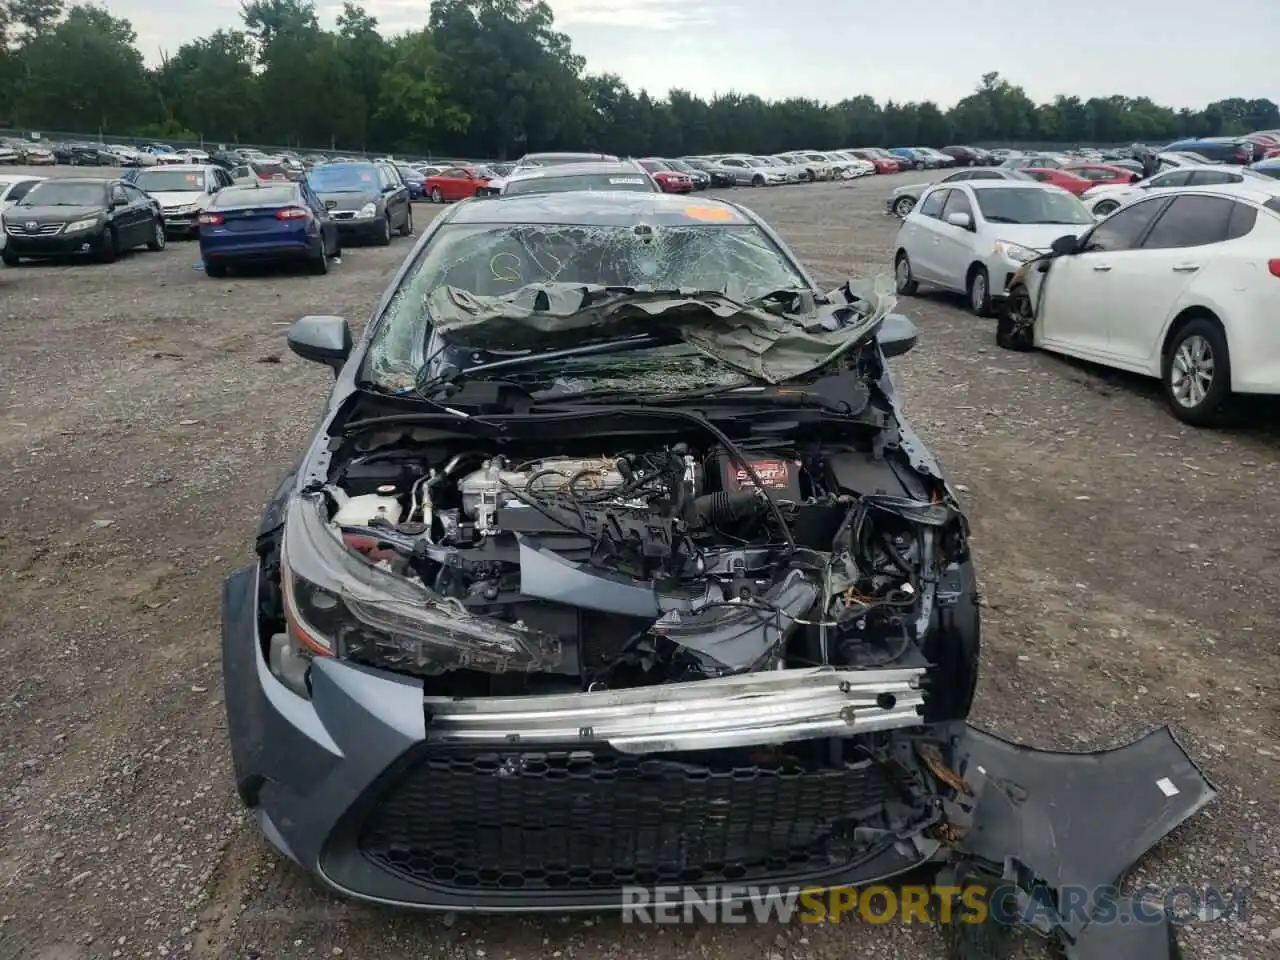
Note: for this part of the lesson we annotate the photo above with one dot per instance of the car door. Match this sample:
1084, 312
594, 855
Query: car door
142, 212
922, 228
121, 215
397, 195
328, 228
1078, 298
450, 182
955, 244
1151, 280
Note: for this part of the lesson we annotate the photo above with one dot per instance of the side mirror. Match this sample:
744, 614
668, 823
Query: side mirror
322, 339
1066, 245
897, 335
961, 220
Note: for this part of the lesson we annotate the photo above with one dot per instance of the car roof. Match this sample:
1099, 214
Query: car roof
602, 208
578, 170
1005, 184
1231, 191
181, 167
96, 181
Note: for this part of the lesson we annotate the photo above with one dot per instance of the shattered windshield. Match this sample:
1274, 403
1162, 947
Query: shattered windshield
497, 260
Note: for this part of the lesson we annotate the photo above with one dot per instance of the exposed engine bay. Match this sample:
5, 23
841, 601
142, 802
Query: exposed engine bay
629, 567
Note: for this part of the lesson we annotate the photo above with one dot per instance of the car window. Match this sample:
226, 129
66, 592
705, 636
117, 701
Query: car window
1175, 178
239, 172
456, 173
1190, 221
984, 175
1123, 229
117, 194
1243, 217
135, 195
962, 175
932, 205
19, 190
1204, 178
957, 202
1040, 175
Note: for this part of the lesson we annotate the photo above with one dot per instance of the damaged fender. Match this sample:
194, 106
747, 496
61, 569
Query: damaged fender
1063, 827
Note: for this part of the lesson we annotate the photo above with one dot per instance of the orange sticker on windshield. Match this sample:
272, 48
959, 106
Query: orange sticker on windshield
710, 214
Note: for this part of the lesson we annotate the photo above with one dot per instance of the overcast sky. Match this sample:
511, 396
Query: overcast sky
1178, 52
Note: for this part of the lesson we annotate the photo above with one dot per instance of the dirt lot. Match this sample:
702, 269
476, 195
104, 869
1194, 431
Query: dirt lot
146, 411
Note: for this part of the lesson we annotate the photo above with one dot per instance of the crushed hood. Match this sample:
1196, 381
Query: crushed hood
762, 338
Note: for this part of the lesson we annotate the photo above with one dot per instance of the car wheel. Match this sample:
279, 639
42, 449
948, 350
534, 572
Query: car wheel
213, 269
384, 232
109, 246
407, 229
436, 195
320, 264
757, 181
905, 282
157, 241
903, 206
1196, 371
1105, 207
9, 258
979, 289
1015, 329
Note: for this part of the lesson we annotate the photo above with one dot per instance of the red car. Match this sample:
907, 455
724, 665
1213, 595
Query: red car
1060, 178
883, 164
671, 181
456, 183
1103, 173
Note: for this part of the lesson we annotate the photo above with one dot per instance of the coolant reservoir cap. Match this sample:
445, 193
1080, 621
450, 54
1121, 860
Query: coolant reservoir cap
387, 488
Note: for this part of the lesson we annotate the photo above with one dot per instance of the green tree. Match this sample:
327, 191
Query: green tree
84, 73
210, 86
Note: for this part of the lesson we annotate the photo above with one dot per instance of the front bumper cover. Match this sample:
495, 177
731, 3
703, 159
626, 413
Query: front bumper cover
311, 770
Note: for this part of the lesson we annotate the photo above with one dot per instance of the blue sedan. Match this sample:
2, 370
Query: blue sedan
269, 223
415, 181
1269, 167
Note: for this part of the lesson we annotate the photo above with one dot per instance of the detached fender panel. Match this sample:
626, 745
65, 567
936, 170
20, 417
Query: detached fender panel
1077, 822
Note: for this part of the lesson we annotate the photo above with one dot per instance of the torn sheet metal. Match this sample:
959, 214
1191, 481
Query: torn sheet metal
1072, 825
760, 338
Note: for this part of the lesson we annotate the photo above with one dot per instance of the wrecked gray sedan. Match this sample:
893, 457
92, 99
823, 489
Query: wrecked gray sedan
615, 563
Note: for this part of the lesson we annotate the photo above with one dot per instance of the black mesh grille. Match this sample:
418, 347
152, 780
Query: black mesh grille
597, 821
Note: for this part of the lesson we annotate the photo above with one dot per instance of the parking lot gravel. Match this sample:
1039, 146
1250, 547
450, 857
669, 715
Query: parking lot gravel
1128, 566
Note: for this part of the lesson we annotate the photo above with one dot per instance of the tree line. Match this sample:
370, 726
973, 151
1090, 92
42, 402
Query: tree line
486, 78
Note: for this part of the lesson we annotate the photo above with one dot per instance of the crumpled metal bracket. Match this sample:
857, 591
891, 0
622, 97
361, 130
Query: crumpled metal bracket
1044, 823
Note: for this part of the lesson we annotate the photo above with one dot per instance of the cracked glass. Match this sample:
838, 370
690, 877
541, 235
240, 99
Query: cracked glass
495, 260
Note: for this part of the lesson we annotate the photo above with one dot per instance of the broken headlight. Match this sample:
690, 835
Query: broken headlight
338, 604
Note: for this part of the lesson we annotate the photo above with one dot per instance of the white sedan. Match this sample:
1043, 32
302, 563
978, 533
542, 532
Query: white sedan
1106, 198
1183, 286
973, 236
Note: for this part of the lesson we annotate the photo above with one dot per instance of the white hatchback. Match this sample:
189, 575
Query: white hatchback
1184, 286
1107, 198
972, 237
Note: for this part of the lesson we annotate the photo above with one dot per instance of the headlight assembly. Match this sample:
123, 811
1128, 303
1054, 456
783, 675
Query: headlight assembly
368, 211
88, 224
1015, 251
338, 604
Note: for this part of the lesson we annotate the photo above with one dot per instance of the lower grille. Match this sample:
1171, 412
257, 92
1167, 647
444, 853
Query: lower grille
598, 821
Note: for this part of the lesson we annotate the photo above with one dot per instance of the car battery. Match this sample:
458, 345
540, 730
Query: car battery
779, 476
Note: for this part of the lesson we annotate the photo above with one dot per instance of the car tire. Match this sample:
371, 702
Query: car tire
158, 239
757, 181
407, 229
903, 206
904, 280
1015, 327
319, 265
978, 290
9, 258
1196, 373
109, 248
1105, 208
383, 239
437, 196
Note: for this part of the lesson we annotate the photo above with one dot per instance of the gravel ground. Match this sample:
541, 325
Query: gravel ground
146, 411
